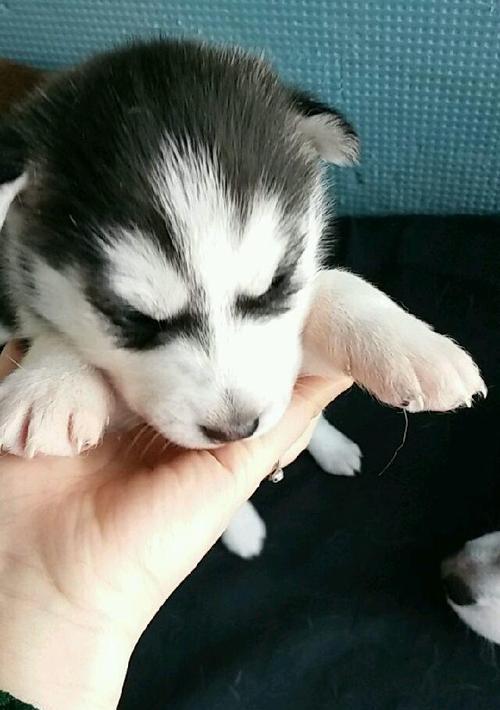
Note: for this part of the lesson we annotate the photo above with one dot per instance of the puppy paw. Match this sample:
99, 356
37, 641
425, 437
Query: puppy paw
52, 412
333, 451
406, 364
245, 533
354, 328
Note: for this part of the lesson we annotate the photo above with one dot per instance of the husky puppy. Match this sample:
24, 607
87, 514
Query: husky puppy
471, 580
164, 205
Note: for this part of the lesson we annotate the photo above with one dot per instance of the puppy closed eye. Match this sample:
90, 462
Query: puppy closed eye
139, 331
274, 301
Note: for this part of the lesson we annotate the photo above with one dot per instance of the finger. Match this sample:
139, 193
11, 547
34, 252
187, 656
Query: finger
250, 461
146, 447
199, 491
245, 464
10, 358
299, 446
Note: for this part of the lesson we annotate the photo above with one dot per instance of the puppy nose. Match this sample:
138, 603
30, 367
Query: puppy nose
233, 432
458, 591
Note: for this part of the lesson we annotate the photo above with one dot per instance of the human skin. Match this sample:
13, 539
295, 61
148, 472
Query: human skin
91, 547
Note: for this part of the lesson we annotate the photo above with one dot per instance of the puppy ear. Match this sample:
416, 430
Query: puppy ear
12, 153
332, 136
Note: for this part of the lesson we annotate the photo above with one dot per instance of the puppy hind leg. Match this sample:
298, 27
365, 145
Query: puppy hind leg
334, 452
245, 534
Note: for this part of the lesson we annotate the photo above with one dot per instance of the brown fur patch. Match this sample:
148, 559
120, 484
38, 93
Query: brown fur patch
16, 82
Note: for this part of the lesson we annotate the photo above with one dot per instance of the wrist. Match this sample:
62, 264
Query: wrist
55, 656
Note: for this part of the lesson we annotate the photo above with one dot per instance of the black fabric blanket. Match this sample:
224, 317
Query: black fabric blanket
344, 609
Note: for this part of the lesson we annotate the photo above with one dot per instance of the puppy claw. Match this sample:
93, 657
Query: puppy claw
54, 415
443, 376
396, 357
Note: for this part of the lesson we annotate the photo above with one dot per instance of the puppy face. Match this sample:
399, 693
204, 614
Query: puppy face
170, 229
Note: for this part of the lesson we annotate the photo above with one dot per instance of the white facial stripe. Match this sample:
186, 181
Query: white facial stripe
8, 191
193, 198
60, 298
142, 275
181, 386
262, 247
312, 226
228, 258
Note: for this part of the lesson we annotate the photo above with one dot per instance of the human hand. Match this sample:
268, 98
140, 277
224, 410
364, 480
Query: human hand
91, 547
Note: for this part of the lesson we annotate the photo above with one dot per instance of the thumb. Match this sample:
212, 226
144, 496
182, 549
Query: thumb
251, 460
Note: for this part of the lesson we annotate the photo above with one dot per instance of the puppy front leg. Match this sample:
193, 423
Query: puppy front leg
355, 328
54, 403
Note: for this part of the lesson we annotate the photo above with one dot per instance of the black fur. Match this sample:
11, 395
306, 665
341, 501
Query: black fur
93, 134
138, 331
7, 311
12, 163
274, 301
99, 129
12, 153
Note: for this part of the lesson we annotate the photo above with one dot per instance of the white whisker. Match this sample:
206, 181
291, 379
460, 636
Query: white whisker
136, 438
15, 362
148, 446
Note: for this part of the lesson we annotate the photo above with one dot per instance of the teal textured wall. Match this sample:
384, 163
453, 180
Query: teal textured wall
419, 79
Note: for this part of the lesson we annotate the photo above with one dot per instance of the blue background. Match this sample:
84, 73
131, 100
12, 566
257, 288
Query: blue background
420, 80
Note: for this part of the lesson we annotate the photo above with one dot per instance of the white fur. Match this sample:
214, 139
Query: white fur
256, 274
329, 137
225, 254
251, 364
333, 451
250, 367
160, 291
8, 192
54, 404
350, 322
351, 327
478, 565
58, 403
245, 533
355, 328
179, 386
